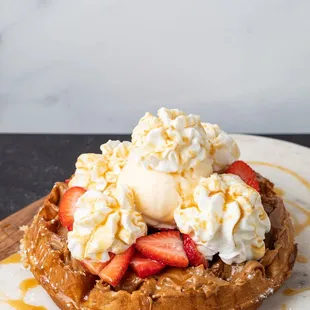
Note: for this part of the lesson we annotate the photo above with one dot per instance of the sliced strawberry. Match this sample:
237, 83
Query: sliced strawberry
165, 247
145, 267
115, 270
67, 205
245, 172
194, 256
95, 266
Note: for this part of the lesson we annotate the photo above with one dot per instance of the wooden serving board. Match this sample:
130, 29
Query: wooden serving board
10, 233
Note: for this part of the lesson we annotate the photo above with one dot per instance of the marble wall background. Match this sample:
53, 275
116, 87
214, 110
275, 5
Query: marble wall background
98, 65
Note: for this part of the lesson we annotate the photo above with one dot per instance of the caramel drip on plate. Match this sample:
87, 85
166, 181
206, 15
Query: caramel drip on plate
280, 192
27, 285
283, 307
284, 169
19, 304
299, 227
291, 291
302, 259
15, 258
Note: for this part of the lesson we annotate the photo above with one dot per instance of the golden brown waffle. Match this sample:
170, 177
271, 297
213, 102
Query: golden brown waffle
242, 286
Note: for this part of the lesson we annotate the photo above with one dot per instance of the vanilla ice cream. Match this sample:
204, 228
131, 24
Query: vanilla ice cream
105, 223
100, 171
223, 148
226, 216
169, 154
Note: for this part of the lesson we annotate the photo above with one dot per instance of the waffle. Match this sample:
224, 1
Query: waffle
221, 286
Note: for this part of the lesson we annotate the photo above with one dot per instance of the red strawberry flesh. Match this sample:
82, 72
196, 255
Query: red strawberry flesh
165, 247
67, 205
245, 172
115, 270
194, 256
145, 267
95, 266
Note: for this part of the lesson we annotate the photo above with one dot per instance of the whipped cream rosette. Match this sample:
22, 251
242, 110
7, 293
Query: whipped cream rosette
226, 217
105, 223
100, 171
223, 148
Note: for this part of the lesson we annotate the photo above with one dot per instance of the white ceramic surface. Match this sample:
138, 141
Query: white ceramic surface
98, 65
282, 154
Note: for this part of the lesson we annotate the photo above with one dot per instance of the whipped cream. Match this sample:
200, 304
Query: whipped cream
100, 171
172, 142
223, 148
105, 223
227, 217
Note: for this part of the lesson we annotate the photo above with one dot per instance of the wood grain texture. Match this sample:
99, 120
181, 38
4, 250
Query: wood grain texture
10, 233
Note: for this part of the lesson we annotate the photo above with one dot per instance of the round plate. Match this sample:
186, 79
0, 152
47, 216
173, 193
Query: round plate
287, 165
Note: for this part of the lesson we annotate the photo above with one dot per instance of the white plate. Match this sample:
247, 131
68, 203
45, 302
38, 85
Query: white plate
287, 165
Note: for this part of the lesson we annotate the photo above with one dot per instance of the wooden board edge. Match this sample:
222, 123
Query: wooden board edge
10, 233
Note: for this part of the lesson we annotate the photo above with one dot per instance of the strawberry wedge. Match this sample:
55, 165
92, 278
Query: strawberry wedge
95, 266
145, 267
165, 247
194, 256
67, 205
245, 172
115, 270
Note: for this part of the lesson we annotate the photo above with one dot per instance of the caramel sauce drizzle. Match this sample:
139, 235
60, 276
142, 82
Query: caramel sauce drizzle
291, 291
19, 304
283, 307
24, 286
302, 259
280, 192
284, 169
299, 227
27, 285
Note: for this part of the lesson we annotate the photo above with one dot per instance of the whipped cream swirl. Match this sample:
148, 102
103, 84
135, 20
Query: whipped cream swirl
227, 217
105, 223
223, 148
101, 171
172, 142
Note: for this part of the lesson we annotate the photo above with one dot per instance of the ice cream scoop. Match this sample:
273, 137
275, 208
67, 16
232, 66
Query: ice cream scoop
158, 194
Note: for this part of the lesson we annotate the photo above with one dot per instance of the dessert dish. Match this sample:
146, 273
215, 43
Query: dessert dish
172, 219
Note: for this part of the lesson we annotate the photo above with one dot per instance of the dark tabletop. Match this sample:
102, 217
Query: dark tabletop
30, 164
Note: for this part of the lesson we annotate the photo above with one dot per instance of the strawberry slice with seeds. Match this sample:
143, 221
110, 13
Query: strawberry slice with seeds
115, 270
95, 266
145, 267
245, 172
67, 205
165, 247
194, 256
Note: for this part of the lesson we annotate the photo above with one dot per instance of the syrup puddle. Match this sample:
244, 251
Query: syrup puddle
283, 307
15, 258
